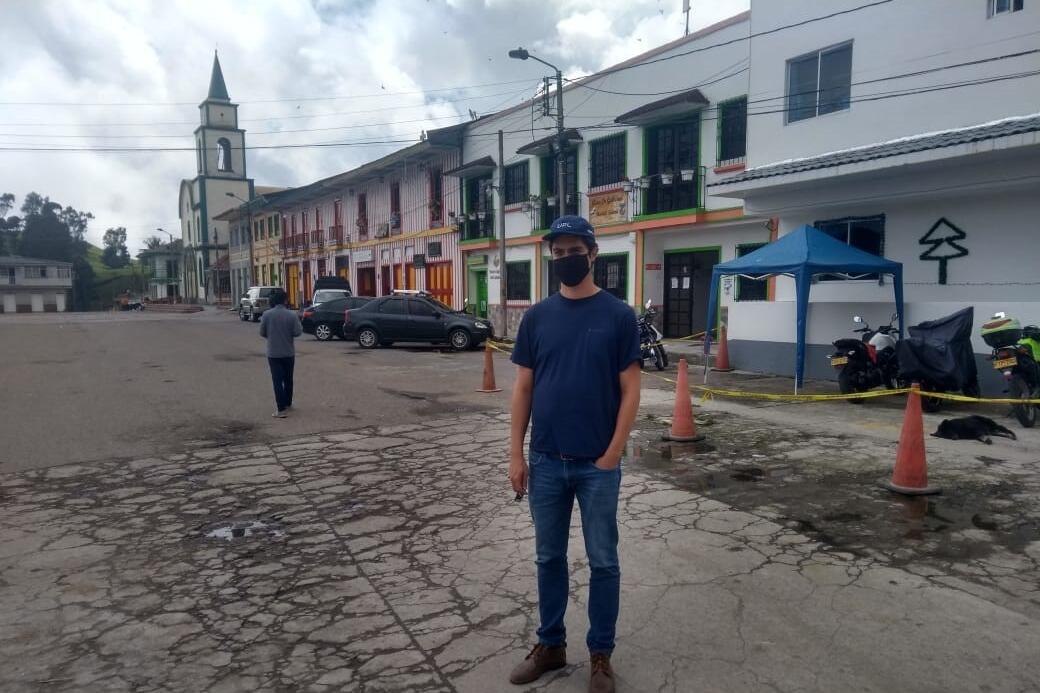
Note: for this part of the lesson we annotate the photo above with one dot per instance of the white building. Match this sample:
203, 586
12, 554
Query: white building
220, 184
908, 129
163, 265
30, 285
644, 139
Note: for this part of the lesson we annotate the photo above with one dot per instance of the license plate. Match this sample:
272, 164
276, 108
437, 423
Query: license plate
839, 361
1006, 363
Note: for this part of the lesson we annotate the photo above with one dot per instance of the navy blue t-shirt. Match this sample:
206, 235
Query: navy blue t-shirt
577, 350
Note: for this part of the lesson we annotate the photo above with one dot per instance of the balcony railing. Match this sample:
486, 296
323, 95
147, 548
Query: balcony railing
362, 228
335, 234
669, 192
300, 242
317, 238
478, 229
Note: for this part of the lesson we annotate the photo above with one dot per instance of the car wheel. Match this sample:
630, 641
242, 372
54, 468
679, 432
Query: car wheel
323, 331
254, 316
460, 339
367, 338
242, 315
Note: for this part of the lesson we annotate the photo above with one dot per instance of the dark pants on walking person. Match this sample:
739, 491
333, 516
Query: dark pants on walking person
282, 378
553, 486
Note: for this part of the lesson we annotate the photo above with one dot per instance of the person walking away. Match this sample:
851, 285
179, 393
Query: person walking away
280, 326
577, 383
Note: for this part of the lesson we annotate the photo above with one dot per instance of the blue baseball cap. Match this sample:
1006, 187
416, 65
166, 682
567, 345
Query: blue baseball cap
570, 225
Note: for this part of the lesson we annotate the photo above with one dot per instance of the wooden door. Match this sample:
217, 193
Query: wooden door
366, 281
439, 282
292, 284
308, 287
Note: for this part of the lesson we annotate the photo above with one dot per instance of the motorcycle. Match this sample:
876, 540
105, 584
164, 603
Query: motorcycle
867, 362
650, 346
1016, 353
939, 356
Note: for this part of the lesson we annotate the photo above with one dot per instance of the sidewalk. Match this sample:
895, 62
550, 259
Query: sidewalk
396, 559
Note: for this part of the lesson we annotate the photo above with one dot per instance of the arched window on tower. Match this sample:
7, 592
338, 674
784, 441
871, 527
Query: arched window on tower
223, 154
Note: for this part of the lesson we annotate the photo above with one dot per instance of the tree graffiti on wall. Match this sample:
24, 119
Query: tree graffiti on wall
942, 241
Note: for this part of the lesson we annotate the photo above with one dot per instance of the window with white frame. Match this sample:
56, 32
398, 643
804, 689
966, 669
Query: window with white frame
819, 83
33, 272
995, 7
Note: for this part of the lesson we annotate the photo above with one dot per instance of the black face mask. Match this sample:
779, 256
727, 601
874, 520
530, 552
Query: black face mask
572, 269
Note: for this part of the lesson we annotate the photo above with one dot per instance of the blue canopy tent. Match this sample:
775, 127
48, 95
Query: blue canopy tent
803, 254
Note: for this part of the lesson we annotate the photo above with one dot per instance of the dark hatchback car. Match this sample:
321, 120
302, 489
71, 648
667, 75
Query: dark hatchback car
414, 318
325, 320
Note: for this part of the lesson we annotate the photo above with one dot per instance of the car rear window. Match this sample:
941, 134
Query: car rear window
264, 293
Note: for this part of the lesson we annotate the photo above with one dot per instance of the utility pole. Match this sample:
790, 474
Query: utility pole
561, 148
501, 214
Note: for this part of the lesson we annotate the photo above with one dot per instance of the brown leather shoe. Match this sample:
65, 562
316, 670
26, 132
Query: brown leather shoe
601, 679
541, 660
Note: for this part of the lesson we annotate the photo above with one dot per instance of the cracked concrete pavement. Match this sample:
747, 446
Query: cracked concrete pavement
394, 558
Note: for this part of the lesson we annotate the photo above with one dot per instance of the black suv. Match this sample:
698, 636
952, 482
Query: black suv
325, 320
413, 317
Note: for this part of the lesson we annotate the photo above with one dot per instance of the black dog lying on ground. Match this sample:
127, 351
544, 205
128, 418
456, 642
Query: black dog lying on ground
973, 428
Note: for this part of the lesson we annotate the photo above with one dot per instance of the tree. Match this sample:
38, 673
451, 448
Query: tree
115, 253
83, 289
10, 227
153, 243
45, 235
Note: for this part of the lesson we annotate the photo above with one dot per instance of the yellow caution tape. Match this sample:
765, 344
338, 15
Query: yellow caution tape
708, 393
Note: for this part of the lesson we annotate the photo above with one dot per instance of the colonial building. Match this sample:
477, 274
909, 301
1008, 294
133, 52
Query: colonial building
31, 285
220, 184
644, 138
254, 233
386, 225
919, 145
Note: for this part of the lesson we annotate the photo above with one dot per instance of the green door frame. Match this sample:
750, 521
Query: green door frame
718, 294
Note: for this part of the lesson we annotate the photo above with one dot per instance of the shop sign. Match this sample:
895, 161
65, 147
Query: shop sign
608, 208
363, 255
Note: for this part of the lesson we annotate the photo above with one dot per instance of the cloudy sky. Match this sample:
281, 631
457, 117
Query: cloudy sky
117, 74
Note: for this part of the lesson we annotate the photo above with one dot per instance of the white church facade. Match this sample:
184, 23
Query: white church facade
220, 184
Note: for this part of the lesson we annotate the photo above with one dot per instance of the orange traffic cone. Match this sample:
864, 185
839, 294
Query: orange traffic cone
910, 475
489, 371
684, 429
722, 357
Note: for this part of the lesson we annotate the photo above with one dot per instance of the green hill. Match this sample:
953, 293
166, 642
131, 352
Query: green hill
110, 283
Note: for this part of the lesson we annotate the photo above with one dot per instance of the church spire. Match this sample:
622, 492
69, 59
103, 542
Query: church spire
217, 88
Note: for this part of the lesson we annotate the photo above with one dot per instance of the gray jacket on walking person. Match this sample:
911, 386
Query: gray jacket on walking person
279, 326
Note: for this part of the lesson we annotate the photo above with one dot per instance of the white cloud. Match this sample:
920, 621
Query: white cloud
367, 51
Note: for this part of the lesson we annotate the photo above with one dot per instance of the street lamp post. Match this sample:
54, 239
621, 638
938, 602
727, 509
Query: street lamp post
561, 141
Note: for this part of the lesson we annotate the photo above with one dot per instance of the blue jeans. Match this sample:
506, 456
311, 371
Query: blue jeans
282, 379
553, 485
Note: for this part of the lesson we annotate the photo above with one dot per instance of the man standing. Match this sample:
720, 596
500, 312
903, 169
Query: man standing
280, 326
577, 357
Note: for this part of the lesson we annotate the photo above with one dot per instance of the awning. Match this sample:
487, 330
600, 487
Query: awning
473, 169
544, 146
671, 107
803, 254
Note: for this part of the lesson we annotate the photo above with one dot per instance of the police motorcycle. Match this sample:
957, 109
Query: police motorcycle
867, 362
1016, 353
650, 346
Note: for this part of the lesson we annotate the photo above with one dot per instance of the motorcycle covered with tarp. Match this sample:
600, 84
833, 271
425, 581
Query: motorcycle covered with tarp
938, 355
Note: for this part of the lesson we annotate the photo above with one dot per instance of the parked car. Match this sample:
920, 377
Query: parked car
325, 295
254, 302
414, 317
325, 320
